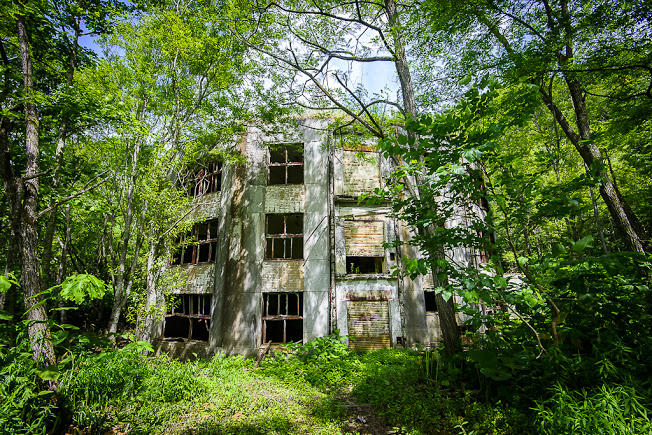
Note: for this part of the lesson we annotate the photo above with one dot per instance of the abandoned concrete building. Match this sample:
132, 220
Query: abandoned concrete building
286, 252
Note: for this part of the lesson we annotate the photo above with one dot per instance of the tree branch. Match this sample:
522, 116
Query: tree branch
81, 192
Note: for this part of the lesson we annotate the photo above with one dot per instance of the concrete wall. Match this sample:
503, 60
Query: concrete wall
333, 179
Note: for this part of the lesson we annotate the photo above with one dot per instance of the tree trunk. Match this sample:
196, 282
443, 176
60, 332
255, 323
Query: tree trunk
590, 153
120, 295
63, 261
51, 226
446, 309
38, 328
149, 317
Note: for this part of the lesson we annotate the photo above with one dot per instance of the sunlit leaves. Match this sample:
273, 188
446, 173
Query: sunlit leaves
82, 287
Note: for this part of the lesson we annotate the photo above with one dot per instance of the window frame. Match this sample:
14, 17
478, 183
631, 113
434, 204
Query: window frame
285, 236
286, 164
196, 244
266, 316
187, 310
206, 180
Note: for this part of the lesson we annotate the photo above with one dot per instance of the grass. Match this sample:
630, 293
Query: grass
319, 388
222, 395
289, 394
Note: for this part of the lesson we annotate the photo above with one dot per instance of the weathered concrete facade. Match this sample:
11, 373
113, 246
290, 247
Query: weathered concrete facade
297, 257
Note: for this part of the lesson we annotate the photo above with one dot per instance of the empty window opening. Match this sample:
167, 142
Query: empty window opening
285, 165
431, 303
199, 245
282, 317
188, 317
284, 236
206, 180
364, 265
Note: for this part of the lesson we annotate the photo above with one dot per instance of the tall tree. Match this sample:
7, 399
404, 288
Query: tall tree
36, 41
549, 42
174, 76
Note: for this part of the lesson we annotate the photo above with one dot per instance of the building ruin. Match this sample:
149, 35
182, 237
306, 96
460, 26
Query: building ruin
287, 253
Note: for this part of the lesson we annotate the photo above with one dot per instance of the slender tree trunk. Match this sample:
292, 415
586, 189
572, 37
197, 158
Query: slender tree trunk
38, 329
120, 295
51, 226
598, 221
590, 153
150, 316
446, 309
63, 261
12, 189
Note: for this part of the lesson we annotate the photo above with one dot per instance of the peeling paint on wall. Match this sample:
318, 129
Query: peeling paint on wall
364, 238
284, 276
360, 174
285, 198
198, 278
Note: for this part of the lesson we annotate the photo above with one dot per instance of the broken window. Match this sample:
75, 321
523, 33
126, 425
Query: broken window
282, 317
285, 165
188, 317
284, 236
197, 246
431, 303
364, 265
207, 180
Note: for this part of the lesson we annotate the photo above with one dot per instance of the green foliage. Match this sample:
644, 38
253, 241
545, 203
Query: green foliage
26, 409
104, 377
179, 382
82, 287
608, 409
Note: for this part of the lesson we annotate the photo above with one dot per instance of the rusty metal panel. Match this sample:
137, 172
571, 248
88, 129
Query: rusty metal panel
361, 172
368, 323
364, 238
283, 275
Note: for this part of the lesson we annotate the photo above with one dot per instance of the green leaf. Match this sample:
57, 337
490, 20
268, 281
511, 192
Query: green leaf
81, 287
500, 281
5, 284
531, 300
582, 244
49, 373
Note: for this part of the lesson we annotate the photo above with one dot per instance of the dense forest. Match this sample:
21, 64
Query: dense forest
526, 122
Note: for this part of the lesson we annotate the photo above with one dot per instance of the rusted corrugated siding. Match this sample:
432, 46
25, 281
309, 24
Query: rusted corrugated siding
364, 238
368, 323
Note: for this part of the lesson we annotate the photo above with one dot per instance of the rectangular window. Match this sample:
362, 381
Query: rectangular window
285, 165
206, 180
284, 236
197, 246
364, 265
282, 317
188, 317
431, 304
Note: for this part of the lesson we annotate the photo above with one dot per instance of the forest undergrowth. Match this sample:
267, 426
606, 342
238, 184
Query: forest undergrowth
300, 389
